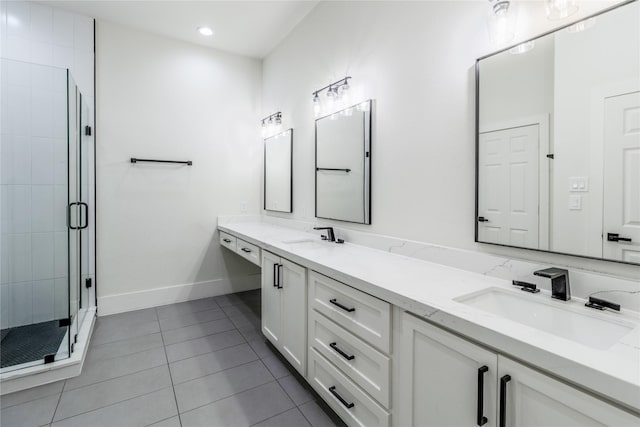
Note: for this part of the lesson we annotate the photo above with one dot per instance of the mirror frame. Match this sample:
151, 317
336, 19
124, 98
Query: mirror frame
368, 137
264, 172
477, 135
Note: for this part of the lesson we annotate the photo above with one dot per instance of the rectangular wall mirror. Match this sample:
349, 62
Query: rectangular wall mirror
278, 172
343, 165
558, 141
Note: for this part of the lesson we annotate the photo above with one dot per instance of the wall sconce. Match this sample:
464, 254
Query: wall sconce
272, 124
560, 9
337, 96
501, 21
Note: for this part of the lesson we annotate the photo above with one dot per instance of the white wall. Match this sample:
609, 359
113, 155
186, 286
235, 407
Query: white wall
416, 59
165, 99
35, 38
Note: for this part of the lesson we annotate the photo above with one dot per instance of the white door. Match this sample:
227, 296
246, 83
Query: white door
444, 380
293, 282
271, 299
508, 198
534, 399
622, 178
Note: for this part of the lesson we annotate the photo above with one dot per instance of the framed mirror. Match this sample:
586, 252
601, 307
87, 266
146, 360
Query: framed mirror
278, 172
343, 165
558, 140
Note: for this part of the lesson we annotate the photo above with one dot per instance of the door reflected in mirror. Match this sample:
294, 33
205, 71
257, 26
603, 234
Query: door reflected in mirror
278, 173
343, 165
558, 143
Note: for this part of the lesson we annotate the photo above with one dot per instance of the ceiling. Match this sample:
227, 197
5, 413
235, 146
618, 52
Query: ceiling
250, 28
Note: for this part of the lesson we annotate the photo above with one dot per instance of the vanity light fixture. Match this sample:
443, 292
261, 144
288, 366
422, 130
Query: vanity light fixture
337, 92
560, 9
522, 47
501, 21
581, 26
271, 124
205, 31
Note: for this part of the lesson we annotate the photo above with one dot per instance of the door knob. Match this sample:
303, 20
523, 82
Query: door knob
615, 237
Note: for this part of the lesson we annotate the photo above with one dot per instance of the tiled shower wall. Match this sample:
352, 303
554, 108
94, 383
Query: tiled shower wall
34, 39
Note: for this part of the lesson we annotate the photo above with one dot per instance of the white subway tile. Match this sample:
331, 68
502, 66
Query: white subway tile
41, 23
43, 300
16, 160
20, 209
62, 28
42, 209
60, 254
61, 297
41, 112
62, 56
83, 33
60, 202
19, 115
18, 73
42, 164
4, 306
20, 264
18, 48
59, 113
60, 162
5, 258
41, 53
21, 304
42, 76
42, 255
18, 19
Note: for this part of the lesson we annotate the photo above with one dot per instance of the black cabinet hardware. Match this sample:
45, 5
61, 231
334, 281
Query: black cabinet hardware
226, 240
482, 219
179, 162
346, 404
481, 419
245, 250
601, 304
615, 237
503, 399
87, 130
279, 276
525, 286
275, 275
345, 308
551, 156
334, 346
334, 169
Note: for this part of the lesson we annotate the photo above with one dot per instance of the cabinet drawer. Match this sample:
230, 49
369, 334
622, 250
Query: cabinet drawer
248, 251
366, 366
228, 241
365, 316
352, 404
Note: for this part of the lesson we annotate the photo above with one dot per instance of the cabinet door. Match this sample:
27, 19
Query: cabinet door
439, 378
271, 300
535, 399
293, 282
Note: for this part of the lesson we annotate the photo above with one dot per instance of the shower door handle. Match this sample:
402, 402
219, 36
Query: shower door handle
72, 204
86, 215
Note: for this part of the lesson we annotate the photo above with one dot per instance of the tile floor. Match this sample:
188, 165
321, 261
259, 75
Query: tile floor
197, 363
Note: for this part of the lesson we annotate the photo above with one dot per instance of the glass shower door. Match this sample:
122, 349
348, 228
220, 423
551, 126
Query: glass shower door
74, 209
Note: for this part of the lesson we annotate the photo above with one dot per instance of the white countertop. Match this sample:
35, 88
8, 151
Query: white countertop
428, 290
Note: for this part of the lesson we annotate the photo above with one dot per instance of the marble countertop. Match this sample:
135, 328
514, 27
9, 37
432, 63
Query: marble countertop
429, 290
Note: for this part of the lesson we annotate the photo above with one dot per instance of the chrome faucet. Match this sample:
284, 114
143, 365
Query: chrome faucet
331, 237
560, 288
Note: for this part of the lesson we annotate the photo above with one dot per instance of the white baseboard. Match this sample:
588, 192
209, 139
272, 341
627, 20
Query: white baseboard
120, 303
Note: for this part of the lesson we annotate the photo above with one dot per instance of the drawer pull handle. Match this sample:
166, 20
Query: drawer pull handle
280, 276
334, 346
481, 419
347, 309
275, 275
226, 240
246, 250
503, 399
346, 404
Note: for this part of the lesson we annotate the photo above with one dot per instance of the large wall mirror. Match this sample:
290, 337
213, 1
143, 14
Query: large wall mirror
278, 172
558, 143
343, 165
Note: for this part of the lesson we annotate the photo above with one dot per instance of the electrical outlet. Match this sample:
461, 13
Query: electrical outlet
243, 207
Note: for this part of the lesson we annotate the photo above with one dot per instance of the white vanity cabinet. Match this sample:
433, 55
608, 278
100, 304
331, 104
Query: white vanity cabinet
284, 308
445, 380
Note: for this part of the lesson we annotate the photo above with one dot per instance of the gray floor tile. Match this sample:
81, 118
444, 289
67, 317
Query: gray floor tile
101, 370
246, 321
189, 319
241, 309
220, 385
317, 417
209, 363
169, 422
277, 367
120, 319
111, 332
125, 347
186, 307
291, 418
252, 334
196, 331
30, 414
261, 347
106, 393
31, 394
140, 411
297, 389
243, 409
206, 344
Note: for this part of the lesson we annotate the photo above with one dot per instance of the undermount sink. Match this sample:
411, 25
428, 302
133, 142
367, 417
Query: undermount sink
305, 243
541, 312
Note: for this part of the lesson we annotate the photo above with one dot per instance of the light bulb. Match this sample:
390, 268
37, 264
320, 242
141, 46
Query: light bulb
522, 48
278, 123
344, 91
501, 22
264, 129
316, 105
560, 9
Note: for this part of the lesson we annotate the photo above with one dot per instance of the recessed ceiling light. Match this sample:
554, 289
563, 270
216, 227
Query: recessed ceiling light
205, 31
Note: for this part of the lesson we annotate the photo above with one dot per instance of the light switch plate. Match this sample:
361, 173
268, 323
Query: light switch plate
575, 203
578, 183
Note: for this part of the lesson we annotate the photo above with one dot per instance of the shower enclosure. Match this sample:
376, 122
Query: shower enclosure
47, 227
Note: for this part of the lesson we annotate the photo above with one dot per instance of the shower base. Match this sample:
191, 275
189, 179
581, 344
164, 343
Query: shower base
30, 343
